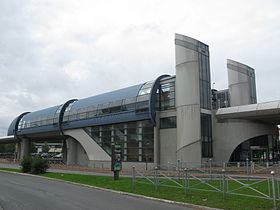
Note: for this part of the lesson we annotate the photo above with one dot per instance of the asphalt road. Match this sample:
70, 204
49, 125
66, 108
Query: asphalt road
26, 192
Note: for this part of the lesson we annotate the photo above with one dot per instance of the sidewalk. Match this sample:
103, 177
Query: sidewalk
70, 169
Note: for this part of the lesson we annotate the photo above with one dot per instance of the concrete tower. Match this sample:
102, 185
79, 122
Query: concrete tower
187, 99
242, 85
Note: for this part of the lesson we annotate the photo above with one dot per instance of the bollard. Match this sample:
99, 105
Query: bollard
267, 164
273, 190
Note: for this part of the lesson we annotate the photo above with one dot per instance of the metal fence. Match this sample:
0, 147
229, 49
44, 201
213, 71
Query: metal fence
216, 181
245, 167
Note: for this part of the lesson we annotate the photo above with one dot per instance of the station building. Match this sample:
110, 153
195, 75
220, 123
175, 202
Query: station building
168, 119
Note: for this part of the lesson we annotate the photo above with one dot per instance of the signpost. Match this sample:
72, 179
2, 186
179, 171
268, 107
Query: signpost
116, 160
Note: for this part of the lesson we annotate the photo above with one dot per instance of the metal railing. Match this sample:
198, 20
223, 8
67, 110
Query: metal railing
222, 181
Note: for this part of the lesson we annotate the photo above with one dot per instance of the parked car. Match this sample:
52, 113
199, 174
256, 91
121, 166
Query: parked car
60, 155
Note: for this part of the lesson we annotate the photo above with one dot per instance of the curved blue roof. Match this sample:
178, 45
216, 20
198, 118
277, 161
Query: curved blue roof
11, 128
127, 104
124, 93
41, 113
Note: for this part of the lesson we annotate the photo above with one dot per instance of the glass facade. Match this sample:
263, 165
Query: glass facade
220, 99
206, 135
168, 122
136, 138
166, 97
259, 149
253, 94
204, 76
139, 104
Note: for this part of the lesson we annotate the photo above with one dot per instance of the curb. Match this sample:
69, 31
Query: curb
117, 192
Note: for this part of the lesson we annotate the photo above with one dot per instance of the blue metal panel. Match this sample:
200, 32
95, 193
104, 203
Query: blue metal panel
108, 119
61, 114
39, 129
153, 98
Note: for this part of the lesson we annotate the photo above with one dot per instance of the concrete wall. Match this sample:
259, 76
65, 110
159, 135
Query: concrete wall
228, 134
24, 148
187, 99
168, 146
76, 155
240, 83
87, 147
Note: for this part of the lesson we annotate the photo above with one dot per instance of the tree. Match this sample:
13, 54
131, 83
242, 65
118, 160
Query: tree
45, 147
10, 148
32, 147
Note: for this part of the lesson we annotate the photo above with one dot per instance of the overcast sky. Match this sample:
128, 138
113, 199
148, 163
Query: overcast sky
55, 50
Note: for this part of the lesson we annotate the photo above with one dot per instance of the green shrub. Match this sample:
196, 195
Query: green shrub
39, 165
26, 164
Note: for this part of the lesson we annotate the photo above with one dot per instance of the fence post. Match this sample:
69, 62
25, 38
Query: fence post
168, 169
238, 164
210, 166
156, 178
178, 164
252, 166
273, 190
224, 165
247, 167
224, 183
133, 178
186, 181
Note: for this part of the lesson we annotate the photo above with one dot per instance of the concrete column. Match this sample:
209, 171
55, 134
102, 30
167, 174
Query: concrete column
187, 99
125, 142
157, 141
24, 148
242, 86
71, 151
18, 151
139, 138
64, 151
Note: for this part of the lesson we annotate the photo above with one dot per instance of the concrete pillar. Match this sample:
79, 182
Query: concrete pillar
17, 151
242, 85
187, 99
125, 142
157, 141
71, 151
64, 151
139, 139
24, 148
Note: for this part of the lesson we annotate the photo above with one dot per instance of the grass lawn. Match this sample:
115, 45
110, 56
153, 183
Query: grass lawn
210, 199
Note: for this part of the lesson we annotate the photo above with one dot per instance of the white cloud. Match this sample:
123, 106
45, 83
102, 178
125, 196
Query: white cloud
54, 50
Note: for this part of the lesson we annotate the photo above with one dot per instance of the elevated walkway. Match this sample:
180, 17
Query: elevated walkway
268, 112
8, 139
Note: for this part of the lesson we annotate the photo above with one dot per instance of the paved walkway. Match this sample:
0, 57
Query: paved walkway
67, 169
